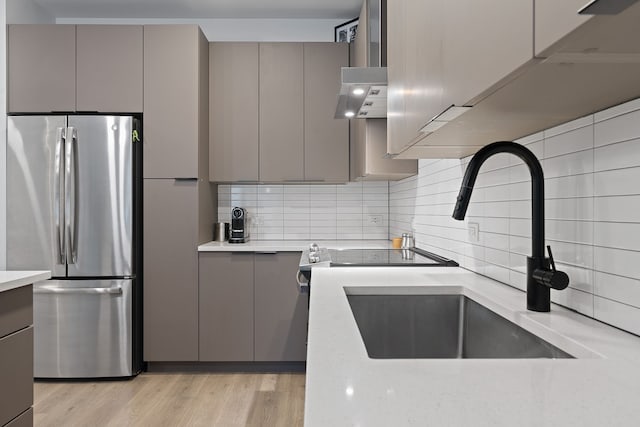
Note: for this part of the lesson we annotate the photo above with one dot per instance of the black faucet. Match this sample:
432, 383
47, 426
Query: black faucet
540, 279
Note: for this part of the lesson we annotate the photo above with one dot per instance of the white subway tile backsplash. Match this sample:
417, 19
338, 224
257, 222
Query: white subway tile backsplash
582, 279
570, 142
569, 186
530, 139
294, 212
579, 209
569, 164
617, 288
617, 129
569, 231
617, 208
582, 122
591, 166
617, 235
572, 253
617, 314
617, 110
617, 261
575, 300
617, 156
617, 182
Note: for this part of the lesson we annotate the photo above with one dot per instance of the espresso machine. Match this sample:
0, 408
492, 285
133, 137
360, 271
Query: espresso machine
239, 226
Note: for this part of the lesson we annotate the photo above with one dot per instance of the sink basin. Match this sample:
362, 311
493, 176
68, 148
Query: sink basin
441, 327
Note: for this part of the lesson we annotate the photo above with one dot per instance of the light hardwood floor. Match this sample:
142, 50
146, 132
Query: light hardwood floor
160, 399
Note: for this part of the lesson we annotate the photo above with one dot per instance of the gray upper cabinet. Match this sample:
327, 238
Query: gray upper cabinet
281, 312
281, 112
555, 19
109, 68
272, 109
477, 54
450, 53
233, 122
92, 68
176, 102
41, 68
326, 139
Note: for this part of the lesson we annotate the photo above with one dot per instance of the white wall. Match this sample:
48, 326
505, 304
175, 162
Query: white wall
298, 30
3, 136
310, 212
592, 180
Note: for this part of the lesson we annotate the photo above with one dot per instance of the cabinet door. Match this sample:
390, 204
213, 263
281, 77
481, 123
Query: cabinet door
281, 112
326, 139
477, 54
170, 270
415, 34
16, 374
109, 68
233, 101
41, 68
171, 83
226, 306
281, 312
554, 20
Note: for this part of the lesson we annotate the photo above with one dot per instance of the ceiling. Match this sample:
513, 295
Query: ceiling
203, 9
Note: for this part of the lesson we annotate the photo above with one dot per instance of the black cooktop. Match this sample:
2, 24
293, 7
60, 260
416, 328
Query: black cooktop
387, 258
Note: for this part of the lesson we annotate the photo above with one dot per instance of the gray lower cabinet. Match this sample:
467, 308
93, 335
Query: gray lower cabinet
170, 270
16, 355
281, 311
250, 308
23, 420
226, 306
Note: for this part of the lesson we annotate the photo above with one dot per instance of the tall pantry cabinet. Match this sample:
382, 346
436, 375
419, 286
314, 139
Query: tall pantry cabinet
179, 201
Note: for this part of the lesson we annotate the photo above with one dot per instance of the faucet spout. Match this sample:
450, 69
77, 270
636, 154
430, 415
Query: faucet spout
539, 277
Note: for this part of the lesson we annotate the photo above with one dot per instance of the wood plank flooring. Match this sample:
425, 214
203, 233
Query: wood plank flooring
162, 399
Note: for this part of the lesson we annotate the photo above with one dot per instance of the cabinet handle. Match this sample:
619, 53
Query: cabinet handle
266, 252
185, 179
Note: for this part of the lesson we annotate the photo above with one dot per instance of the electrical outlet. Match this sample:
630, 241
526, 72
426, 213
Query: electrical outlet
474, 231
375, 219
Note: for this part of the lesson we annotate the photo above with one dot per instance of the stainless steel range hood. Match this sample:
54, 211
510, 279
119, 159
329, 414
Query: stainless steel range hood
363, 90
363, 93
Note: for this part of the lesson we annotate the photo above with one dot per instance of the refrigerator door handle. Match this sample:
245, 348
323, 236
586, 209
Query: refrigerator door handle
71, 193
58, 193
117, 290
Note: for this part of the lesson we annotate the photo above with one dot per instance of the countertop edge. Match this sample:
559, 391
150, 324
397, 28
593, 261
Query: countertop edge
15, 279
292, 245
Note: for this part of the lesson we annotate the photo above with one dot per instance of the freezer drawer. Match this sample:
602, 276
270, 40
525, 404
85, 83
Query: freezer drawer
83, 328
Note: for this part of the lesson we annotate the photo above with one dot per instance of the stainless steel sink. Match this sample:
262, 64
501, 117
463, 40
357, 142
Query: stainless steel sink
441, 327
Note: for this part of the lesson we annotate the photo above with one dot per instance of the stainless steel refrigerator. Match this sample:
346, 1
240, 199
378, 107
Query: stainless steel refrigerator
72, 191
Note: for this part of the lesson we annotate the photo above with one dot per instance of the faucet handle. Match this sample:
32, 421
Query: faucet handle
552, 278
551, 261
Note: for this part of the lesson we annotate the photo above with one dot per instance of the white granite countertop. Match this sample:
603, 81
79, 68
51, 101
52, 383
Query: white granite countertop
291, 245
344, 387
15, 279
